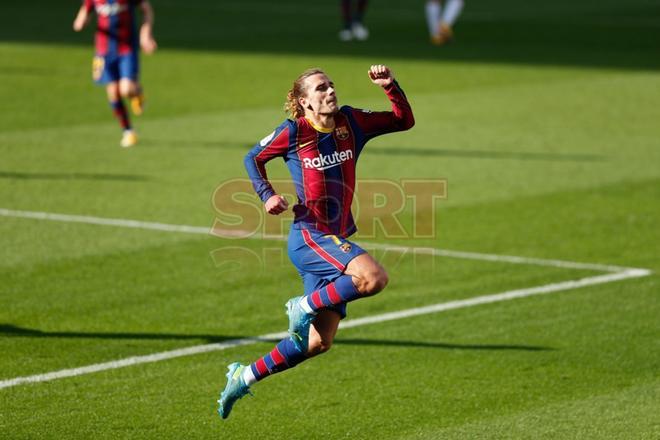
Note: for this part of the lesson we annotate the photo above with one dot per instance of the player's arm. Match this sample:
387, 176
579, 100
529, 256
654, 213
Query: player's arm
272, 146
147, 41
82, 18
400, 118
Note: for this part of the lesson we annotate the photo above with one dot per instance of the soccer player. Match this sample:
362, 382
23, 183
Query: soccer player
353, 23
116, 63
320, 144
440, 23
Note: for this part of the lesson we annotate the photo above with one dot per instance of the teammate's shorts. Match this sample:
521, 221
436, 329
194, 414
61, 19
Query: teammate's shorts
111, 68
320, 258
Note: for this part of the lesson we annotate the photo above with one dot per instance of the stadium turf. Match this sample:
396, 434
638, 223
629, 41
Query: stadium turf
542, 118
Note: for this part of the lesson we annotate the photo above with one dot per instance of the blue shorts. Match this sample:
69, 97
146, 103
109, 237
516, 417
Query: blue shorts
112, 68
320, 258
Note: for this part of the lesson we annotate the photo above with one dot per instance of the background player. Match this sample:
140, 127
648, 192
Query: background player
320, 145
116, 61
353, 19
440, 23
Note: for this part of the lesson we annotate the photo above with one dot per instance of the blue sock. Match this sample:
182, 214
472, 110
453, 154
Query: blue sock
341, 290
284, 355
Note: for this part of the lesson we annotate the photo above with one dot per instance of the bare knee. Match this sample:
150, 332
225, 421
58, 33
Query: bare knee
372, 282
127, 88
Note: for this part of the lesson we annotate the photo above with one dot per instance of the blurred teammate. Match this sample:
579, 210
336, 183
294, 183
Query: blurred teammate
440, 23
353, 21
116, 61
320, 145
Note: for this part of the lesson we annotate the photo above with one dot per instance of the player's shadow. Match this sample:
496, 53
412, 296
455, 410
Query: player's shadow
440, 345
9, 330
482, 154
73, 176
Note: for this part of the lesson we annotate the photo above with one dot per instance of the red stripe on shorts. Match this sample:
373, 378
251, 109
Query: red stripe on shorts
320, 251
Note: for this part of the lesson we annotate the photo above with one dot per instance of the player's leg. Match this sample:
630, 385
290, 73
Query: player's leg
322, 332
433, 16
129, 85
363, 276
282, 357
452, 10
119, 109
345, 34
105, 71
240, 377
360, 32
368, 276
354, 274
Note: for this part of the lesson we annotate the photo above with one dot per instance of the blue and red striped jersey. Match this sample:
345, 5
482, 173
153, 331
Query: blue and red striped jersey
115, 28
322, 162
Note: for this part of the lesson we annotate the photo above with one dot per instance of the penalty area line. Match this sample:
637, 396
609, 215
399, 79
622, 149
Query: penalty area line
418, 311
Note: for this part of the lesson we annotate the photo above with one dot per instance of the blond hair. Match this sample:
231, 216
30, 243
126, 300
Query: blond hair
292, 106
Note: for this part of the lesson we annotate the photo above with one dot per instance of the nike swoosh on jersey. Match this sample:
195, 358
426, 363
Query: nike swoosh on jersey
305, 144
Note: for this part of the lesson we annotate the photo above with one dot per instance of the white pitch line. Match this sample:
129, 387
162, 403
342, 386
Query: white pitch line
497, 297
136, 224
436, 308
617, 273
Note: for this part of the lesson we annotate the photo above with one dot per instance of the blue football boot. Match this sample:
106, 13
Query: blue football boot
299, 322
234, 390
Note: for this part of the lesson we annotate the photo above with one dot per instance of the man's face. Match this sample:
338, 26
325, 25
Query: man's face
320, 95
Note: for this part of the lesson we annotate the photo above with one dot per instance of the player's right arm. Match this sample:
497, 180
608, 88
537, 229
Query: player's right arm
274, 145
82, 18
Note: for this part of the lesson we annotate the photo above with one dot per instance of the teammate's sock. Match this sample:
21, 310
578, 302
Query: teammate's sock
341, 290
346, 13
285, 355
361, 9
453, 9
120, 112
433, 14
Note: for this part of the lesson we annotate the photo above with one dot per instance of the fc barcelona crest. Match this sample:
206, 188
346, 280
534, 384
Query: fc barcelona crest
346, 247
342, 133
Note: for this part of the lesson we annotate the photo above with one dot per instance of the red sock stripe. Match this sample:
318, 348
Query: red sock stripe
261, 367
316, 299
320, 251
333, 294
277, 357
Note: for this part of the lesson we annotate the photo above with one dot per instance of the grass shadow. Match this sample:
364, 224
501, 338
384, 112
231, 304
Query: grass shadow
9, 330
72, 176
608, 33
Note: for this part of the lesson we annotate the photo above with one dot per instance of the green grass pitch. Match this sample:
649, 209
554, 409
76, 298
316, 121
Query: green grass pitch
542, 116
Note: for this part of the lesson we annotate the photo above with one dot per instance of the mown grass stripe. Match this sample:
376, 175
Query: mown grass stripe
435, 308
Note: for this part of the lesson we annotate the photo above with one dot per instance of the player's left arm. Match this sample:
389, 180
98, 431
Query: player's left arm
82, 18
399, 119
147, 41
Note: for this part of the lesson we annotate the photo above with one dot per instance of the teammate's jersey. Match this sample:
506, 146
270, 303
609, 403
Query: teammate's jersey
322, 162
115, 30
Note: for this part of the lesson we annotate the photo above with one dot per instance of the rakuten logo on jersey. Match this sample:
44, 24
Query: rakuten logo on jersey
325, 161
108, 10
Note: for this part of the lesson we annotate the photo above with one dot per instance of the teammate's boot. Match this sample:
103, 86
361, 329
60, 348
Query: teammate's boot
234, 390
299, 322
137, 102
360, 32
128, 138
345, 35
445, 34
